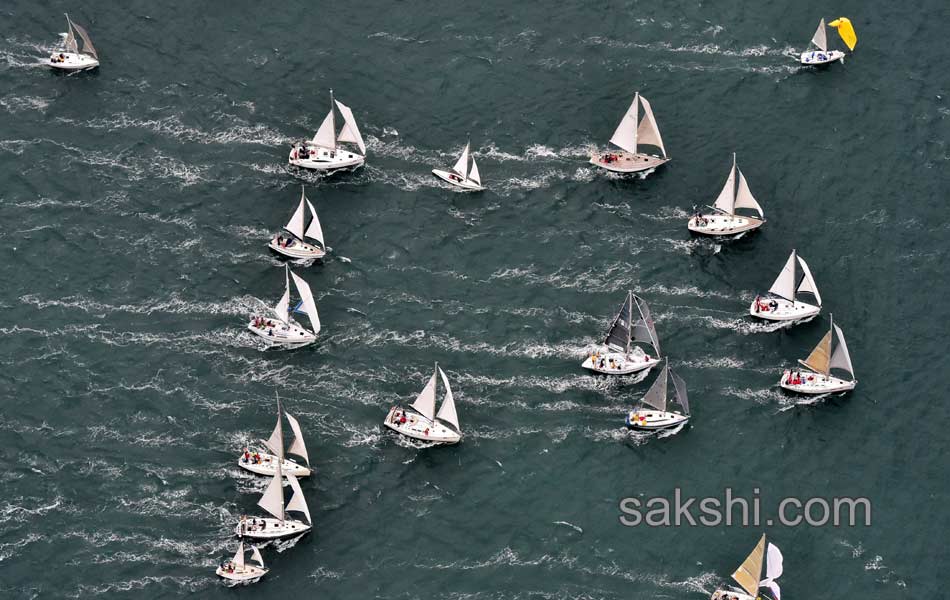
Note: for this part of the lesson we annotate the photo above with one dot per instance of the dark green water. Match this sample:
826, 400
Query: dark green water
136, 202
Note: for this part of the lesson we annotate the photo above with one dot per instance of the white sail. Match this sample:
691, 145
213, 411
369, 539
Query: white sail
647, 131
461, 165
727, 197
273, 499
750, 571
295, 224
238, 559
350, 132
87, 47
425, 401
447, 410
297, 446
256, 556
808, 282
473, 174
656, 395
284, 304
625, 136
325, 137
679, 386
784, 285
840, 358
309, 305
314, 230
276, 440
744, 197
773, 570
70, 42
297, 501
820, 38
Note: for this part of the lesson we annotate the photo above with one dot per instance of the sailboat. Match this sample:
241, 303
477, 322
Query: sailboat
461, 175
324, 152
280, 525
654, 412
749, 574
265, 463
296, 245
830, 353
724, 220
421, 422
69, 57
278, 328
782, 303
621, 357
632, 133
823, 56
239, 570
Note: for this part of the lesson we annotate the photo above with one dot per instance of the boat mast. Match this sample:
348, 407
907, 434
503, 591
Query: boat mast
435, 390
629, 319
333, 118
280, 457
636, 126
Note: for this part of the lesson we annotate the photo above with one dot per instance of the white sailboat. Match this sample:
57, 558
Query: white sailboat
724, 221
280, 525
782, 303
296, 245
631, 134
824, 56
278, 328
239, 570
461, 175
69, 57
830, 353
749, 574
324, 152
621, 357
265, 463
655, 412
420, 421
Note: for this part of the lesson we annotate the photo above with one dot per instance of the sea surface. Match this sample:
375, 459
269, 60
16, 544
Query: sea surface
136, 202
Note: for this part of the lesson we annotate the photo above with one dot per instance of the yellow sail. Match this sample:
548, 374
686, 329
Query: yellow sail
846, 31
750, 571
819, 359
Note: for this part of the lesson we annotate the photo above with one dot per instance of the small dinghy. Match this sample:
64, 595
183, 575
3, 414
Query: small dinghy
461, 176
749, 574
323, 152
724, 221
420, 421
781, 303
70, 57
265, 463
620, 356
830, 353
279, 526
823, 56
278, 329
632, 133
654, 412
295, 245
239, 571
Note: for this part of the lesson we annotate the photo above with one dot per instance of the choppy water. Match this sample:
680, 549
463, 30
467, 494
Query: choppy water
136, 202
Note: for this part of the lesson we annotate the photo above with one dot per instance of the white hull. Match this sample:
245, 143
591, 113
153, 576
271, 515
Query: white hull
716, 225
280, 334
730, 595
72, 61
650, 419
821, 57
625, 162
784, 311
324, 159
248, 574
815, 383
420, 428
623, 364
270, 528
297, 249
454, 179
268, 466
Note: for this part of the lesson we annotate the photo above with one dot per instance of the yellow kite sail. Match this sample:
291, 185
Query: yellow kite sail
846, 31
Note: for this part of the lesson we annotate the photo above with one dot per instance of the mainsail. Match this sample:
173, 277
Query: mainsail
295, 224
310, 306
749, 572
735, 196
70, 42
238, 559
425, 401
461, 165
632, 131
656, 395
284, 303
326, 135
447, 410
618, 336
273, 499
820, 38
